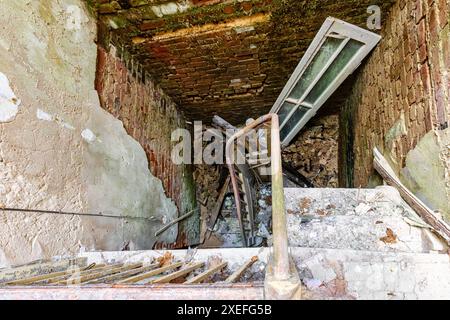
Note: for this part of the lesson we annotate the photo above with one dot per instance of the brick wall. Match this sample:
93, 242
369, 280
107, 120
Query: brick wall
149, 116
401, 93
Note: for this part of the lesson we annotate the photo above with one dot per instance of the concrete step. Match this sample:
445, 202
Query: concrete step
358, 219
329, 273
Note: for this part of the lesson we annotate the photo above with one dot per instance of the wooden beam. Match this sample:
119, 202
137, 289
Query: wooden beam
124, 274
83, 278
238, 273
188, 269
152, 273
206, 274
30, 280
429, 216
217, 207
96, 268
31, 270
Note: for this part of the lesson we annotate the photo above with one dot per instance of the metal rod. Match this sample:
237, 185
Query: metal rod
167, 226
4, 209
279, 223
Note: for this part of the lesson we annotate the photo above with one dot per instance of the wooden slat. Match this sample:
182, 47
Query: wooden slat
124, 274
206, 274
217, 207
84, 278
387, 173
96, 268
238, 273
31, 270
30, 280
152, 273
186, 270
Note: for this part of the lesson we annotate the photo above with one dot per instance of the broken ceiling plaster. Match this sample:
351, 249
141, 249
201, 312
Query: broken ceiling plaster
9, 103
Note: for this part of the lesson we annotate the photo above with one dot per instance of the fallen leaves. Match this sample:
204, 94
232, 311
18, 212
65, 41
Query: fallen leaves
390, 237
165, 259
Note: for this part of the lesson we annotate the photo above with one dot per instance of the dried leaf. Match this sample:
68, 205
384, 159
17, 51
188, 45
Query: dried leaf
390, 236
165, 259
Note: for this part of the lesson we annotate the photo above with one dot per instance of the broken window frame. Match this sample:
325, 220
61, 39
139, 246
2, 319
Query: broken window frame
334, 28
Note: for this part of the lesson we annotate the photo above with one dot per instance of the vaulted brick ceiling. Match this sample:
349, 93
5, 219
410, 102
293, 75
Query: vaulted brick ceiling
230, 58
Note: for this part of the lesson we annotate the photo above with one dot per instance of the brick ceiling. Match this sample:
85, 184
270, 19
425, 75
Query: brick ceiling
230, 58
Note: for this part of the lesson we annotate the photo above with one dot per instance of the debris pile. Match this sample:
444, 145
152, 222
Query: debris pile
315, 152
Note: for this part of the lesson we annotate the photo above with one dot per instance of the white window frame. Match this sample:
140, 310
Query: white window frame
335, 28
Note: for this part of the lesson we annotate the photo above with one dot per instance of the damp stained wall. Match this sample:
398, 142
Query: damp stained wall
400, 104
59, 150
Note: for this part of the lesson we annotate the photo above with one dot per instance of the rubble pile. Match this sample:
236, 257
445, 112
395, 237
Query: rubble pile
314, 153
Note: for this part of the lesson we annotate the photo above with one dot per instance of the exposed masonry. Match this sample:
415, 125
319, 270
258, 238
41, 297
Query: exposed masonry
149, 116
402, 94
230, 58
59, 150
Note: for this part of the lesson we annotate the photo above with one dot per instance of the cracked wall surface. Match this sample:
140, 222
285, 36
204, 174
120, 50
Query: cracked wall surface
62, 151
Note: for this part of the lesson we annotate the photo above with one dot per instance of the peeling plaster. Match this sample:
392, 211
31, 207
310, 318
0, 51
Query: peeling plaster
88, 135
42, 115
9, 103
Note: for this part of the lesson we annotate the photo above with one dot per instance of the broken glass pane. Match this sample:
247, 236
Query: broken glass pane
349, 51
328, 48
293, 121
285, 109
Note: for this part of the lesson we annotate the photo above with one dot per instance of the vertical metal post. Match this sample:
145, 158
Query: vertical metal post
279, 228
282, 280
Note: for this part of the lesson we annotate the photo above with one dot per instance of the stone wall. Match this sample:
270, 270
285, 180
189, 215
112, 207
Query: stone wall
59, 150
400, 104
149, 116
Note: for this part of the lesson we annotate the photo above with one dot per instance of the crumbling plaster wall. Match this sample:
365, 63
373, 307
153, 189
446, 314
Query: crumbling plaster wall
59, 150
127, 91
400, 104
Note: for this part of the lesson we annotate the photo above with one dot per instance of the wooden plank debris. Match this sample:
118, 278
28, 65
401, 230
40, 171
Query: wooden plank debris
31, 270
177, 274
83, 278
201, 277
124, 274
96, 268
238, 273
149, 274
216, 211
33, 279
429, 216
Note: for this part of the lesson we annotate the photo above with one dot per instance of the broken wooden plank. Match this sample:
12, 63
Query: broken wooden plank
149, 274
202, 276
203, 222
238, 273
217, 207
95, 275
124, 274
96, 268
28, 271
429, 216
30, 280
177, 274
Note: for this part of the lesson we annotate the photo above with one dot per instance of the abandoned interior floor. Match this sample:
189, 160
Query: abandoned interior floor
346, 244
